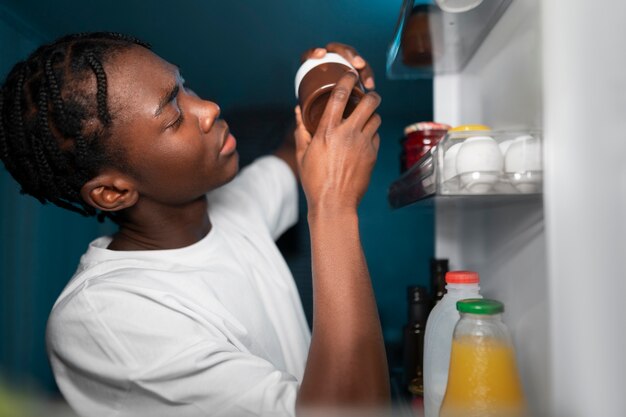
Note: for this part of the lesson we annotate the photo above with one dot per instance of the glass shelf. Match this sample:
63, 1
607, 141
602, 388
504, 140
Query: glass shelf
495, 165
429, 41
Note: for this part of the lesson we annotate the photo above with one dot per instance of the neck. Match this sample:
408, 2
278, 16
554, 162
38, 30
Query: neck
146, 227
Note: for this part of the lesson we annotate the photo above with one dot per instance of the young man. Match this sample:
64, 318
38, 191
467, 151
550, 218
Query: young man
189, 309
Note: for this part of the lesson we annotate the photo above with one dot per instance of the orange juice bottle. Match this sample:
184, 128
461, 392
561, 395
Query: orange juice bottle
483, 380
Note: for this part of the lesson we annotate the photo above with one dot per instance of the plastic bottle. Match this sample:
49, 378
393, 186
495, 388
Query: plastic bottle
438, 337
483, 379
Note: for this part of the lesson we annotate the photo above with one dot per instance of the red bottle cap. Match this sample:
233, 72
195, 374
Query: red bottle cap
462, 277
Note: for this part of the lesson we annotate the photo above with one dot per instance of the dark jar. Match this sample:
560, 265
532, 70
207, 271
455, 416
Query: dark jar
315, 80
415, 42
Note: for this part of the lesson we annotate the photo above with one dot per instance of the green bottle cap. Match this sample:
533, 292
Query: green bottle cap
479, 306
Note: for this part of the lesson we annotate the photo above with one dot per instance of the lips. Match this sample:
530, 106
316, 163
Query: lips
225, 135
229, 144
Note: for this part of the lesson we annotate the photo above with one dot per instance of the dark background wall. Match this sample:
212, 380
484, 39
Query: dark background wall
242, 54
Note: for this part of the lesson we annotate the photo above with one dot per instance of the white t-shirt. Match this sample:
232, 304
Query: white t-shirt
215, 328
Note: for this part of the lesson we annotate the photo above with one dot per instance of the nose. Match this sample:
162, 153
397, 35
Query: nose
208, 113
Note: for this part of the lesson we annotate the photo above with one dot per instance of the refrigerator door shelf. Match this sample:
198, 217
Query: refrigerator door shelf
475, 164
429, 41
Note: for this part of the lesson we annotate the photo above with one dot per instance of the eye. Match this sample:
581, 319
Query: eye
178, 121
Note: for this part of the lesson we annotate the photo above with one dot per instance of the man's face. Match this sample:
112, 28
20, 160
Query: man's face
176, 146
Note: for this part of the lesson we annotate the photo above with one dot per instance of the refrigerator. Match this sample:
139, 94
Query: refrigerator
555, 258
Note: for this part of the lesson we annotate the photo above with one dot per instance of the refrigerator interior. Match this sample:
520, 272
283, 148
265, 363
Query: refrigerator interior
555, 261
504, 240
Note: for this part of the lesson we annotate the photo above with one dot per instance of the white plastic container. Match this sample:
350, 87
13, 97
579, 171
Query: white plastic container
438, 338
487, 162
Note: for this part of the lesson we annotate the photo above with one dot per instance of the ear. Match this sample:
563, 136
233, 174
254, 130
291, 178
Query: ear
110, 192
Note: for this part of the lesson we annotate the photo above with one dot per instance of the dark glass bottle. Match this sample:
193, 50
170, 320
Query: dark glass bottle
419, 305
438, 270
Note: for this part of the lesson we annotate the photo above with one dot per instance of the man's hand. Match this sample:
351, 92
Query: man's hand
286, 150
336, 164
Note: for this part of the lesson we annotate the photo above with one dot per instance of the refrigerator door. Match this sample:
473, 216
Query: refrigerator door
556, 262
584, 99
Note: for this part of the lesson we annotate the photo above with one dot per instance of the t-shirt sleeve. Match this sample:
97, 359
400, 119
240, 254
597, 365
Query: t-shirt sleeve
129, 356
265, 190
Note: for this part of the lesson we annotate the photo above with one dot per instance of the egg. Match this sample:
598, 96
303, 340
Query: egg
449, 162
479, 163
504, 146
523, 164
524, 154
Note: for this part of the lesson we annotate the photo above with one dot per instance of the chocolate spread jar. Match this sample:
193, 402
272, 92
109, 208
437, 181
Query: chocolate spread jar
315, 80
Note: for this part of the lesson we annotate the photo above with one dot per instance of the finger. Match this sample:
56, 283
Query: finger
365, 70
372, 125
348, 53
303, 138
315, 53
364, 110
367, 75
319, 53
376, 142
333, 113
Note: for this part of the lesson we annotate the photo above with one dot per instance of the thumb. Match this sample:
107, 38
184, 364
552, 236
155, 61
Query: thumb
303, 137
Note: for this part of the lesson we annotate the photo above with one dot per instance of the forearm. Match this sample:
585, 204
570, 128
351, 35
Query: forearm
346, 365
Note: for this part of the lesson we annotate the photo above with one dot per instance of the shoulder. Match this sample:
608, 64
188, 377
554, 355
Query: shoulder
126, 287
129, 316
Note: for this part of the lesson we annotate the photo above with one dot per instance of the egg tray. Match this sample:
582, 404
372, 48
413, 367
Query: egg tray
474, 163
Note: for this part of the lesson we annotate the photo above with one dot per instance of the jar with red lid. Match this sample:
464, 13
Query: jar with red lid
419, 138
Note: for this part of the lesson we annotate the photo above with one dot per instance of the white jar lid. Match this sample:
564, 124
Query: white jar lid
311, 63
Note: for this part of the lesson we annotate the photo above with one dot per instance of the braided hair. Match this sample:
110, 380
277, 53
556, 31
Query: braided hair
53, 125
